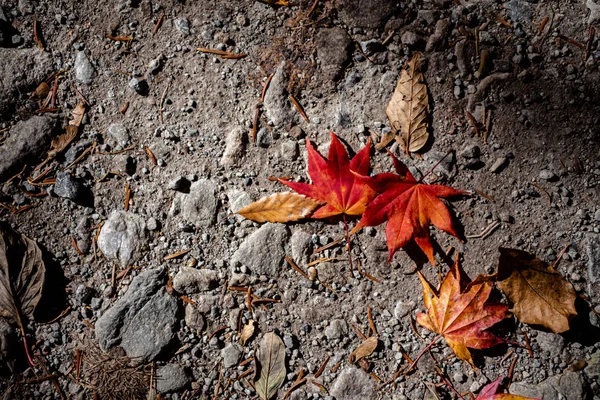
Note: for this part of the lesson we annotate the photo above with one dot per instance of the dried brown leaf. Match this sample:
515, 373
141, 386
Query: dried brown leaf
247, 332
41, 91
279, 207
22, 275
365, 349
276, 2
61, 142
408, 109
269, 366
539, 294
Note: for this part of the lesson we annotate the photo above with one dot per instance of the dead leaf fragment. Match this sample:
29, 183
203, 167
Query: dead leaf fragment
61, 142
365, 349
493, 391
279, 207
41, 91
539, 294
247, 332
269, 367
408, 109
276, 2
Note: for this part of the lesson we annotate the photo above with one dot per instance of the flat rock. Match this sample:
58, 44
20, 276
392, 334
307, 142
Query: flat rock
84, 70
235, 147
194, 318
27, 142
263, 251
143, 322
334, 48
337, 329
370, 14
172, 378
353, 383
67, 186
192, 280
302, 246
123, 237
118, 134
568, 386
277, 105
199, 206
231, 355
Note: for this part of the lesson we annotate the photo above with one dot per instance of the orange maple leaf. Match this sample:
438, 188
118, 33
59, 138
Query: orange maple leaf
490, 392
333, 182
409, 206
459, 312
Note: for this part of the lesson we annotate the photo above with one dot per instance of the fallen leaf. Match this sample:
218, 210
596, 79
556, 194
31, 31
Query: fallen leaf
490, 392
276, 2
334, 183
458, 312
269, 367
408, 109
41, 91
409, 207
365, 349
247, 332
539, 294
61, 142
279, 207
22, 275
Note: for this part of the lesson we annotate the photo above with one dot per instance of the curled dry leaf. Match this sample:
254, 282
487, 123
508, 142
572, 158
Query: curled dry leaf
247, 332
269, 367
539, 294
279, 207
41, 91
460, 313
408, 109
61, 142
365, 349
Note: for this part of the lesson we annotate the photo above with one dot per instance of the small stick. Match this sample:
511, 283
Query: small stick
322, 367
573, 42
255, 123
158, 24
542, 26
543, 190
87, 103
359, 333
298, 107
414, 327
482, 194
486, 232
312, 8
36, 35
119, 38
74, 244
85, 153
162, 100
265, 87
17, 175
295, 386
559, 256
504, 22
329, 245
296, 267
223, 54
127, 196
476, 32
54, 92
112, 153
151, 155
527, 344
472, 121
416, 360
588, 46
371, 323
125, 107
511, 371
488, 124
388, 38
219, 329
249, 299
177, 254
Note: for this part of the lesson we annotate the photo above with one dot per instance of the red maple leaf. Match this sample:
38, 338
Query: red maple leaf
333, 182
491, 392
409, 207
459, 311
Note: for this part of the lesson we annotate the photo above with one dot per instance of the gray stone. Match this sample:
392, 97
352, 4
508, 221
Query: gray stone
156, 65
568, 386
547, 175
471, 151
403, 308
263, 251
235, 147
231, 354
180, 184
68, 187
199, 206
123, 237
83, 295
550, 342
442, 28
591, 245
289, 150
409, 39
194, 318
520, 11
334, 48
172, 378
371, 14
301, 244
8, 345
592, 370
277, 105
152, 224
206, 302
337, 329
84, 70
140, 86
594, 12
25, 7
352, 384
182, 25
238, 199
263, 138
192, 280
119, 134
27, 141
498, 165
143, 322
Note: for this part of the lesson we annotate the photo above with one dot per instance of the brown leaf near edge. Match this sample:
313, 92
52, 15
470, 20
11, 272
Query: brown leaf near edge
61, 142
408, 109
247, 332
539, 294
269, 366
365, 349
22, 275
279, 207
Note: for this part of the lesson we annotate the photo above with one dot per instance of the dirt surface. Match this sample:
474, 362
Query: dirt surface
184, 149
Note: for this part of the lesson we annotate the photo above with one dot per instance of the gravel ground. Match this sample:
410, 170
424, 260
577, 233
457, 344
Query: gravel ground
183, 148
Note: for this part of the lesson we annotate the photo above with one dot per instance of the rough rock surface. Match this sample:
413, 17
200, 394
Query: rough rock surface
278, 108
333, 49
568, 386
263, 251
235, 146
123, 237
353, 383
143, 322
192, 280
199, 206
27, 142
367, 13
172, 378
84, 70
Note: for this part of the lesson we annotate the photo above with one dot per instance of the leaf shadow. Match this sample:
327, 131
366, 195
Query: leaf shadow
54, 297
582, 330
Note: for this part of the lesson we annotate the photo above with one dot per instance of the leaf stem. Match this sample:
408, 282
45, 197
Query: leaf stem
416, 360
435, 166
348, 243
